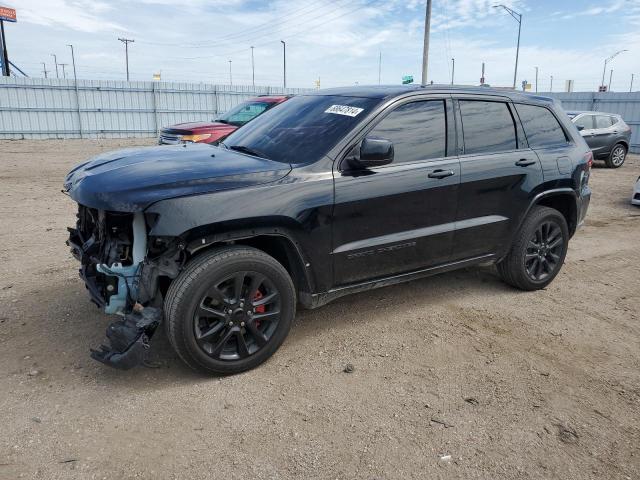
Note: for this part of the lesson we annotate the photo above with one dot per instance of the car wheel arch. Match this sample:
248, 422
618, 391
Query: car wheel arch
278, 242
561, 199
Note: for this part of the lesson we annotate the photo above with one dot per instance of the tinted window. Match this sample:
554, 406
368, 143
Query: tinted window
540, 126
487, 127
417, 131
585, 121
603, 121
244, 112
302, 129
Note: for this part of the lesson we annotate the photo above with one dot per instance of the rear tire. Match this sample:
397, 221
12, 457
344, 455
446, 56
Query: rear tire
538, 251
229, 310
617, 156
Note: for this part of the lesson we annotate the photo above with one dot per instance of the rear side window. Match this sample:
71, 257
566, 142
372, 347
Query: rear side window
540, 126
585, 121
487, 127
417, 130
603, 121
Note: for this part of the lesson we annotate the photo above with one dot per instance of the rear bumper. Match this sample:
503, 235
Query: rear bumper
583, 204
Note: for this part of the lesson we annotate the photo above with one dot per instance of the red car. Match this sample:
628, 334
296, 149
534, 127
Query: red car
213, 132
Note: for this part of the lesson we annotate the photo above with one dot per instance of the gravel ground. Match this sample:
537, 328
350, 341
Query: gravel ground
454, 376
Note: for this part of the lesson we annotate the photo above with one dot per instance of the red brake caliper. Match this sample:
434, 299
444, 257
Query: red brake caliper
259, 308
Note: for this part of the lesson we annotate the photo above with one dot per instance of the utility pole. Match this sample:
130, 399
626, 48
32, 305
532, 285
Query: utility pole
551, 87
55, 60
536, 79
518, 18
610, 75
73, 61
425, 46
453, 69
64, 74
631, 86
126, 42
45, 71
607, 60
284, 62
253, 70
230, 77
379, 67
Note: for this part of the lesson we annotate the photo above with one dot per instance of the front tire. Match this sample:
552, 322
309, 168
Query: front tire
229, 310
538, 251
617, 156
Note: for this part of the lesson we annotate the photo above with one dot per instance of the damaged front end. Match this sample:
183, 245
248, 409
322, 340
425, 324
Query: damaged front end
121, 270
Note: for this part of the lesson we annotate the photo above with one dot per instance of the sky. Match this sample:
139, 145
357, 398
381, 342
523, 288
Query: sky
336, 41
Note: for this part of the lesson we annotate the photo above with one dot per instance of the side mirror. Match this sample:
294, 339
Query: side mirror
374, 152
580, 127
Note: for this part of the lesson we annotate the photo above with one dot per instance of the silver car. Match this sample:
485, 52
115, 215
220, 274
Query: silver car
607, 135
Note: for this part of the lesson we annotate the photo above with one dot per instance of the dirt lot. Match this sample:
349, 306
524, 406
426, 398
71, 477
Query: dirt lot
509, 384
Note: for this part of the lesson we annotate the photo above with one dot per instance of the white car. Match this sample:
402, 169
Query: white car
635, 198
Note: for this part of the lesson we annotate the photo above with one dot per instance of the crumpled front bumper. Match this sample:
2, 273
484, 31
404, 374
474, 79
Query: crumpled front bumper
129, 338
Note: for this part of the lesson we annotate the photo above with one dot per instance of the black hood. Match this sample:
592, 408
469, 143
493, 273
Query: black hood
130, 180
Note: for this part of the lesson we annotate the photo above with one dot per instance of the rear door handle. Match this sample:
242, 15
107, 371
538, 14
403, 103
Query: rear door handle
441, 173
523, 162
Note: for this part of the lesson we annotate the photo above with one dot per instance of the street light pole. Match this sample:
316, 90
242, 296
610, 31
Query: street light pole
73, 61
45, 71
551, 86
55, 60
379, 67
64, 73
631, 86
610, 75
284, 62
230, 77
425, 46
253, 70
518, 18
453, 69
536, 79
607, 60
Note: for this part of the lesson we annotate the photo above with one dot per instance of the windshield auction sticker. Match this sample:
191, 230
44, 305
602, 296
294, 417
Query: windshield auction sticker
344, 110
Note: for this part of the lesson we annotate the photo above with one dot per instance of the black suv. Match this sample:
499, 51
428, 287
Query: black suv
327, 194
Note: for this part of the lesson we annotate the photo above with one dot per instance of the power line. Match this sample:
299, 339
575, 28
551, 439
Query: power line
244, 33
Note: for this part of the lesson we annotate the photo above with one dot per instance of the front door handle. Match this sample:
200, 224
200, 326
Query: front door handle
441, 173
523, 162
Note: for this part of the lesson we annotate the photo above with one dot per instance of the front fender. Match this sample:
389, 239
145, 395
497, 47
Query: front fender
297, 208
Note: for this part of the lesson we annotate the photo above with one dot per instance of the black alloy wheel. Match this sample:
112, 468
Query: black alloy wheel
237, 316
544, 251
538, 250
229, 310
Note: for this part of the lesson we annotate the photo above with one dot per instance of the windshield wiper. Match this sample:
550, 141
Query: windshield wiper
248, 150
219, 120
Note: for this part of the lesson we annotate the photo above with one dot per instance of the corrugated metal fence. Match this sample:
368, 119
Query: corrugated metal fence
52, 108
626, 104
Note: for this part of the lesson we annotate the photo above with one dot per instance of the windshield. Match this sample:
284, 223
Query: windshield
302, 129
243, 113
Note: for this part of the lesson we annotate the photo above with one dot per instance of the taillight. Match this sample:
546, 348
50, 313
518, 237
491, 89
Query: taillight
588, 157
